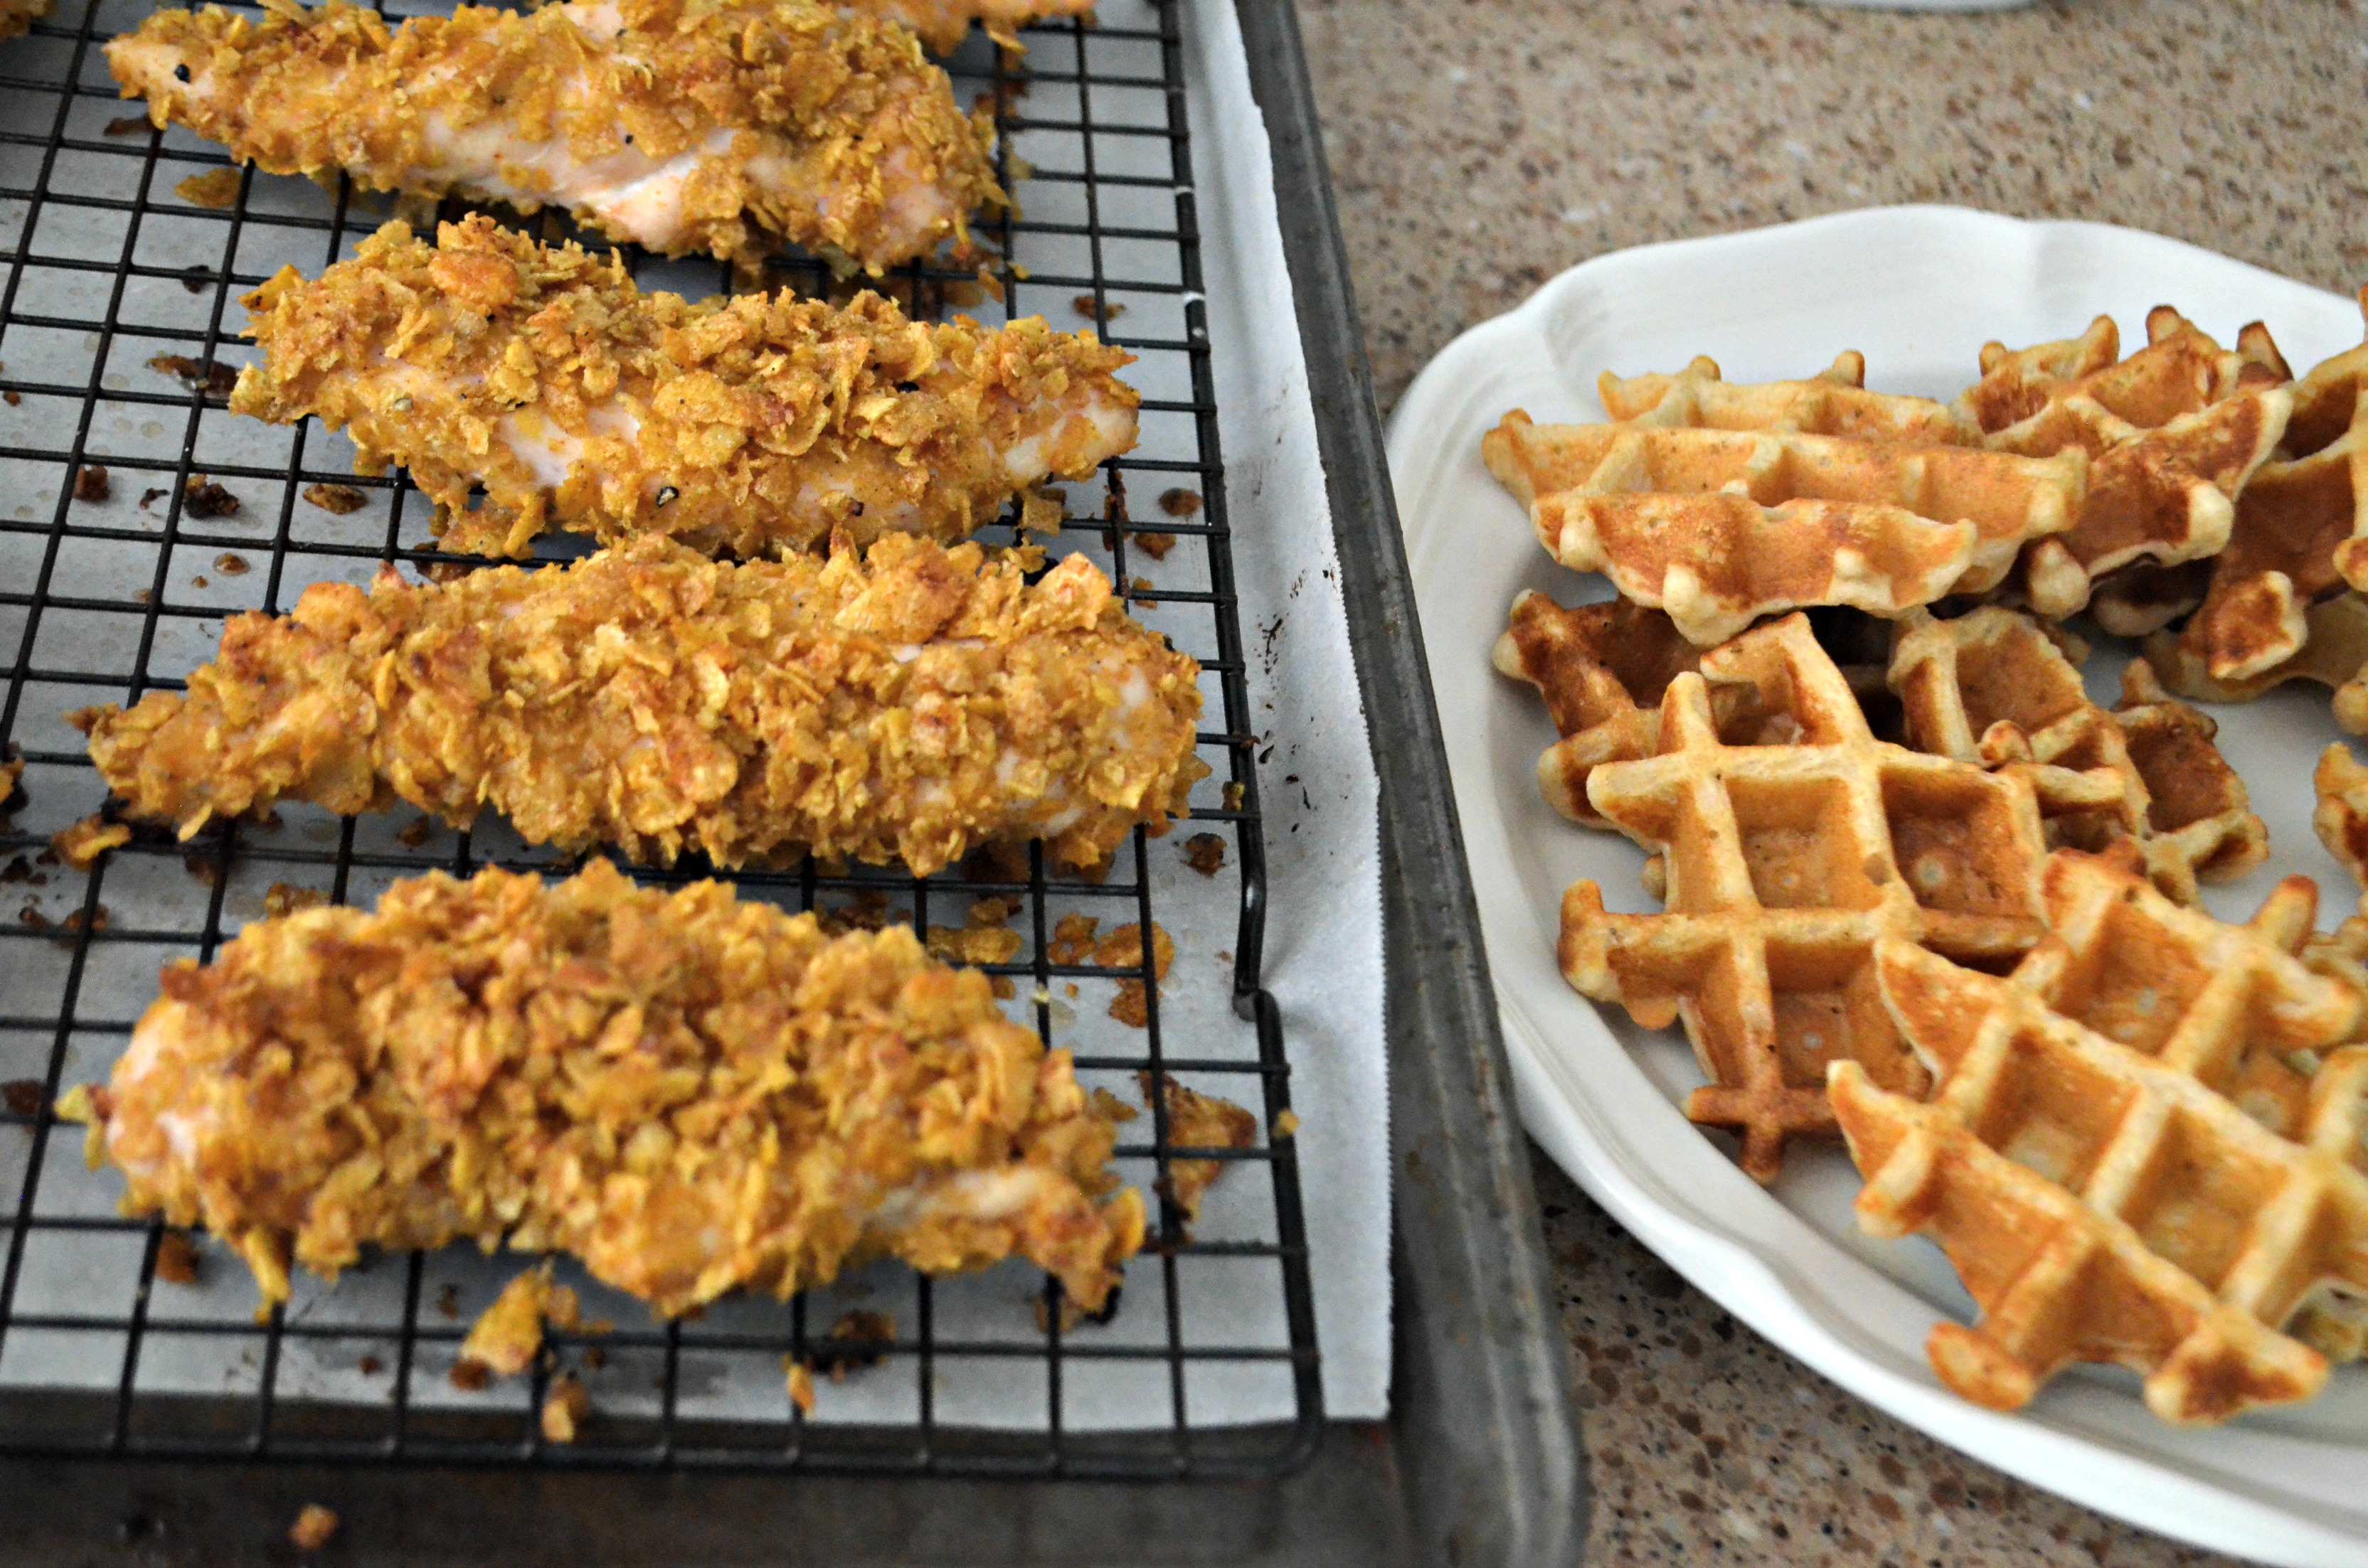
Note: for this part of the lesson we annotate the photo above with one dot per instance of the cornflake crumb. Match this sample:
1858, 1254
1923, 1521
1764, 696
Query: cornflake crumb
857, 1339
1110, 310
1180, 502
178, 1258
1132, 1005
985, 937
1042, 512
90, 483
1156, 545
472, 1377
1196, 1121
216, 189
100, 917
81, 843
126, 125
1287, 1124
801, 1383
1234, 794
341, 499
1205, 853
22, 1096
281, 899
211, 377
1073, 939
417, 833
1073, 1314
565, 1408
230, 564
1142, 594
371, 1366
313, 1529
506, 1336
202, 498
150, 497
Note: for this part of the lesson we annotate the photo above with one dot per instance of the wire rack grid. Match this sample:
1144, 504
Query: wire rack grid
109, 259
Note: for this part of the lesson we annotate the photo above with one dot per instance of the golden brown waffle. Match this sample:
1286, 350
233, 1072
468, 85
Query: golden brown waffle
2340, 819
1996, 688
2119, 1160
2198, 811
2051, 394
1722, 527
2176, 429
1793, 844
2334, 651
1601, 668
1833, 402
2300, 516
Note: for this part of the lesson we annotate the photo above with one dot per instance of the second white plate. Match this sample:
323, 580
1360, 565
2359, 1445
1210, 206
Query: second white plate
1919, 289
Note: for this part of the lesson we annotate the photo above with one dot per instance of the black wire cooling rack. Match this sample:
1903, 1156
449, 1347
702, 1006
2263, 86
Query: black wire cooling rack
110, 263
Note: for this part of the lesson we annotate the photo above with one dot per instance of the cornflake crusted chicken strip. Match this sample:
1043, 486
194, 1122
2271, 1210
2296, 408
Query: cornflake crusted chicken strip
944, 24
745, 424
691, 1094
680, 125
913, 705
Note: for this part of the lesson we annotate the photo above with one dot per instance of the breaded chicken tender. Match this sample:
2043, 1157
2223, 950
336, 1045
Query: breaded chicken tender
678, 125
691, 1094
914, 705
746, 425
19, 16
944, 24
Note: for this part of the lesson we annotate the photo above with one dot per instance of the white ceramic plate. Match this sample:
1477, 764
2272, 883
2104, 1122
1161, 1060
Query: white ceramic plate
1919, 289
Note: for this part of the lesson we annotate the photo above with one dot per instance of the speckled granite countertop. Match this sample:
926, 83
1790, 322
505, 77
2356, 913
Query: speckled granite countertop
1481, 146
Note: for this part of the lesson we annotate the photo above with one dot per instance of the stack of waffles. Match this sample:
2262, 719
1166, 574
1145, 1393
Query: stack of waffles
1920, 890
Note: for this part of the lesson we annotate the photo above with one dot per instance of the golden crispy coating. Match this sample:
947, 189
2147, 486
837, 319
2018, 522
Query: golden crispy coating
680, 125
914, 705
19, 16
691, 1094
742, 424
944, 24
1196, 1121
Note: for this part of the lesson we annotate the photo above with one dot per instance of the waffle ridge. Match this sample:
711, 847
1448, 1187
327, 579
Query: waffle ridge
1603, 669
1995, 687
2175, 431
1719, 526
1795, 841
2124, 1157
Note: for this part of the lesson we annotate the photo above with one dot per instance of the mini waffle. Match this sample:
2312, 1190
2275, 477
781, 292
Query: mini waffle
2333, 653
2340, 819
1833, 402
2296, 517
1792, 845
2176, 430
1996, 688
2092, 1163
2198, 811
1603, 669
1723, 527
